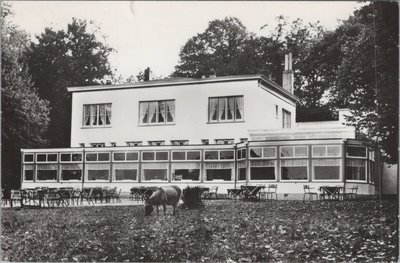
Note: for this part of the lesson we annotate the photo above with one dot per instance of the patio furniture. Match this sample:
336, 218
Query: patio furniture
269, 192
53, 196
87, 193
4, 200
234, 193
16, 195
330, 192
310, 192
76, 195
117, 195
213, 192
351, 194
252, 191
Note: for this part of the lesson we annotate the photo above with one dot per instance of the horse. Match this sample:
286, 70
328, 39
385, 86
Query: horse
165, 195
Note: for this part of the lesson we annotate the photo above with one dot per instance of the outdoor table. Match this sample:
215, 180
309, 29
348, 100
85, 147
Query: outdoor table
30, 195
234, 192
251, 191
333, 192
145, 193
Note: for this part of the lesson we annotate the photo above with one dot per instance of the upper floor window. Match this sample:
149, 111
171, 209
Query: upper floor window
97, 115
156, 143
286, 119
98, 144
224, 141
156, 112
222, 109
205, 141
134, 143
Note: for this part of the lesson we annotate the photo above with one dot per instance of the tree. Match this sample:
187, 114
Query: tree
367, 78
63, 59
24, 114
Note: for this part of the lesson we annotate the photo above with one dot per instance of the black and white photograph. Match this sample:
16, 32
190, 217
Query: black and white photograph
199, 131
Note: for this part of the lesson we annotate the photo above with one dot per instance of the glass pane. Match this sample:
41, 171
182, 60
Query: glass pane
294, 173
193, 155
102, 114
222, 108
186, 174
28, 175
91, 157
28, 158
318, 151
242, 174
125, 174
65, 157
148, 156
227, 155
104, 156
219, 174
93, 114
178, 156
300, 151
327, 172
155, 174
239, 108
356, 151
153, 111
132, 156
52, 157
162, 156
244, 153
231, 108
239, 154
67, 175
108, 114
41, 157
334, 150
76, 157
161, 111
287, 151
355, 169
256, 152
44, 175
262, 173
119, 156
94, 175
269, 152
211, 155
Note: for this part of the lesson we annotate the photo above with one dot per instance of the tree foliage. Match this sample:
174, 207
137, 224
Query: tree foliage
65, 58
24, 114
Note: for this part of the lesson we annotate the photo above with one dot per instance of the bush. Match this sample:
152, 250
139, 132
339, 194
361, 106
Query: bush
192, 197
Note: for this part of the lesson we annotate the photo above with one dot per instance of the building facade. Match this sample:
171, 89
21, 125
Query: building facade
224, 131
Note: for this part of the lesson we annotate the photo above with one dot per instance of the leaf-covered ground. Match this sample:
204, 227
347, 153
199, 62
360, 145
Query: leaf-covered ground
227, 230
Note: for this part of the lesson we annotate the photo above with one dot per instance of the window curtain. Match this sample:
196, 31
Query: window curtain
231, 108
171, 111
222, 108
143, 114
125, 166
154, 165
176, 166
87, 115
161, 111
93, 114
355, 162
326, 162
153, 112
262, 164
47, 167
293, 163
224, 165
102, 114
29, 167
73, 166
239, 108
213, 109
108, 114
242, 164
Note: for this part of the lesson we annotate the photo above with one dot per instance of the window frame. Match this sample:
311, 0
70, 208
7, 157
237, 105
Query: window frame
125, 155
97, 116
155, 156
71, 153
157, 112
33, 157
326, 151
225, 98
219, 156
327, 180
47, 157
294, 152
286, 113
186, 156
262, 152
97, 157
357, 157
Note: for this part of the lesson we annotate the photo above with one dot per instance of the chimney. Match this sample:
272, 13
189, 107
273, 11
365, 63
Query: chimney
288, 76
147, 74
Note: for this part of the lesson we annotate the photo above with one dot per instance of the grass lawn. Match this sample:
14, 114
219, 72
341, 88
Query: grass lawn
225, 230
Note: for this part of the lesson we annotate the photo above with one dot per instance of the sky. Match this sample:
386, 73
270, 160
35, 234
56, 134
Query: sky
151, 33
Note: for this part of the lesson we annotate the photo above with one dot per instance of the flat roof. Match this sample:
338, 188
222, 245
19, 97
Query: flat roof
187, 81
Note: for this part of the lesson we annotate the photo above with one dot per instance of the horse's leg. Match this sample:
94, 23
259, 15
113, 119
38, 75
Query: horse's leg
165, 208
173, 206
157, 209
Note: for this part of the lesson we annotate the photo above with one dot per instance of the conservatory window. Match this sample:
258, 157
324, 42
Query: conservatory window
294, 169
356, 169
97, 115
326, 169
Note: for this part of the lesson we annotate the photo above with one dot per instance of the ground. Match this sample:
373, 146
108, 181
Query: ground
224, 230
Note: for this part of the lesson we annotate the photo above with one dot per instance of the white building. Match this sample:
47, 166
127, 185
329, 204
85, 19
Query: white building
224, 131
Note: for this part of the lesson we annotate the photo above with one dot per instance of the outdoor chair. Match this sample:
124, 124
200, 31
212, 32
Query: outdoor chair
310, 192
117, 195
351, 194
16, 195
88, 195
3, 198
76, 195
269, 192
54, 197
213, 192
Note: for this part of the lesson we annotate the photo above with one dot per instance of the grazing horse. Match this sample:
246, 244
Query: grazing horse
165, 195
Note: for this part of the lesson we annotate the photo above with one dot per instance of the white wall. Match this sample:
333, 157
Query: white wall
191, 113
